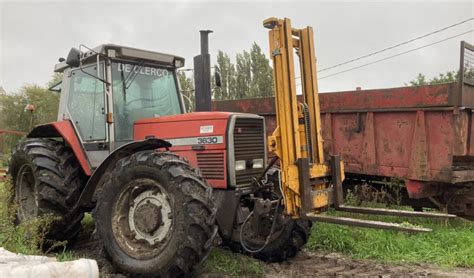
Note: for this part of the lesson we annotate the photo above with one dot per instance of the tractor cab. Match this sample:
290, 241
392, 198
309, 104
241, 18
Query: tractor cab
107, 88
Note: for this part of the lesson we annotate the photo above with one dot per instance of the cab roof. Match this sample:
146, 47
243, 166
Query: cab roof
125, 52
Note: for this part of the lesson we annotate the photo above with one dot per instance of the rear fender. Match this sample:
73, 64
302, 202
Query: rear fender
65, 130
97, 178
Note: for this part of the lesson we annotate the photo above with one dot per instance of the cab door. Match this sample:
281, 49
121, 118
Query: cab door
86, 107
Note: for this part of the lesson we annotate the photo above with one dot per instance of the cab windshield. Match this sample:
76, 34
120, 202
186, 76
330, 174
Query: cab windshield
141, 91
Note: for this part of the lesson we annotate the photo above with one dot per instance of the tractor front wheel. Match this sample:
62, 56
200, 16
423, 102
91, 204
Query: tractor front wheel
155, 215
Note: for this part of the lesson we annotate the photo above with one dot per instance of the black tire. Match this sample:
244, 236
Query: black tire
47, 170
191, 228
288, 244
294, 236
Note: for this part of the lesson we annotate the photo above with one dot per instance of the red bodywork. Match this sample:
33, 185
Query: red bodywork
207, 155
421, 134
211, 159
65, 130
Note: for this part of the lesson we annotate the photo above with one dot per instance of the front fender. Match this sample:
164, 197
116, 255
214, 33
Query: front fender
65, 130
86, 198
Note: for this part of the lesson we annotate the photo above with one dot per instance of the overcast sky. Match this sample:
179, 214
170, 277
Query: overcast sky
34, 34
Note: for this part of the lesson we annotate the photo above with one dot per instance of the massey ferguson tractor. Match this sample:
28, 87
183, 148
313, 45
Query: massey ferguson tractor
162, 183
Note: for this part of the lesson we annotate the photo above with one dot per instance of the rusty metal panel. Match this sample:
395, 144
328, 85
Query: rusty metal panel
414, 133
393, 98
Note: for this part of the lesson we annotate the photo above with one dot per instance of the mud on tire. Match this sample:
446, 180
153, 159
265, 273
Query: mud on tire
47, 180
155, 215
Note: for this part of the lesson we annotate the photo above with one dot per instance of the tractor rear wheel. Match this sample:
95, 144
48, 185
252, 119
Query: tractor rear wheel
47, 179
155, 215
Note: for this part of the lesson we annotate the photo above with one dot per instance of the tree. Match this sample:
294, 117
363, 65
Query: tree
449, 76
243, 74
250, 77
227, 90
187, 90
14, 114
262, 76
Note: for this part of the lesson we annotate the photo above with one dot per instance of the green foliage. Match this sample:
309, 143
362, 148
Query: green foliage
187, 90
243, 74
449, 76
227, 90
13, 112
14, 115
66, 256
451, 244
28, 237
262, 75
250, 77
88, 224
225, 262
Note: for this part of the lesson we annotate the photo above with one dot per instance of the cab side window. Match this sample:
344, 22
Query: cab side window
87, 103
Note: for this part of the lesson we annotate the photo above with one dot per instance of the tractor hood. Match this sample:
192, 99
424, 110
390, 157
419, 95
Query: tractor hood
199, 128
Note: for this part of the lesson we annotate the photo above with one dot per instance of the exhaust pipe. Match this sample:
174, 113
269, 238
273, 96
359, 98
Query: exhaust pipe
202, 75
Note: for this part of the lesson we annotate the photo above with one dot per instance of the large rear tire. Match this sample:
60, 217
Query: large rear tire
155, 215
47, 180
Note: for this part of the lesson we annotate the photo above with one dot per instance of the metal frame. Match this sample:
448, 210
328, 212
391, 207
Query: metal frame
107, 63
309, 183
465, 98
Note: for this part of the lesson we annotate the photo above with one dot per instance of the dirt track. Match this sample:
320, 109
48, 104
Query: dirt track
306, 264
322, 264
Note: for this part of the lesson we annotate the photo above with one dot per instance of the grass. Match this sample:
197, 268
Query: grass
451, 244
222, 261
88, 224
66, 256
448, 246
28, 237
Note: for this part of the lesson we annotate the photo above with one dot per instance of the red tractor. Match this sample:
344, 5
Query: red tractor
160, 183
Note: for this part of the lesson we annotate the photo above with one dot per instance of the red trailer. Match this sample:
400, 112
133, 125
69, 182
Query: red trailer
423, 135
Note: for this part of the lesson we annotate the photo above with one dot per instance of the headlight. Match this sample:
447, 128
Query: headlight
257, 163
240, 165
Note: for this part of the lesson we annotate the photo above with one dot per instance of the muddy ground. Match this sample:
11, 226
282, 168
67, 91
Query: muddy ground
305, 264
308, 264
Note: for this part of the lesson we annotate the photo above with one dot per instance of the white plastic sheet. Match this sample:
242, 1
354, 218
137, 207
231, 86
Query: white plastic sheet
25, 266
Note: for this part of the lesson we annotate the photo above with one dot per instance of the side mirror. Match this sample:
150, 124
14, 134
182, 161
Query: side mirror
217, 76
73, 58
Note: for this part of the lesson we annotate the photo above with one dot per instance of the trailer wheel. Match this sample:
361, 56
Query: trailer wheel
155, 215
47, 179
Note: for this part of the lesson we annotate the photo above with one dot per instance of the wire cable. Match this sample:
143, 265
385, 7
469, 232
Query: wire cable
397, 45
396, 55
